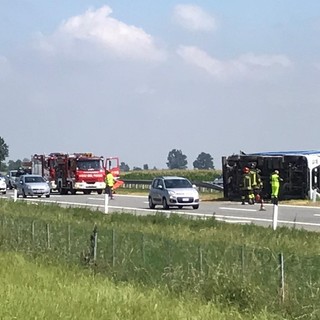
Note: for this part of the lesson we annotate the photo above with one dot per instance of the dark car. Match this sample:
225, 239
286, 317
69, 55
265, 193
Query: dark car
172, 191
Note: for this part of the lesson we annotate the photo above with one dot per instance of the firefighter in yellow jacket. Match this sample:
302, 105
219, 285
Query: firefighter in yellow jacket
256, 181
109, 184
246, 187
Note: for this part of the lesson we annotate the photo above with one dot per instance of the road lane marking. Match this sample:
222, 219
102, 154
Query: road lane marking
182, 213
238, 209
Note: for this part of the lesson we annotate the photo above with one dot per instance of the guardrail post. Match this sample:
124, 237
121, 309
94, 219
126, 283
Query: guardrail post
314, 195
275, 216
15, 195
106, 203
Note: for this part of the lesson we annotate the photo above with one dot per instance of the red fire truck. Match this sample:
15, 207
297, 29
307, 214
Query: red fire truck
79, 172
76, 172
44, 165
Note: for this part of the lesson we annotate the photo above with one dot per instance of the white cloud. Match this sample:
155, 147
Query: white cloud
193, 18
96, 29
243, 65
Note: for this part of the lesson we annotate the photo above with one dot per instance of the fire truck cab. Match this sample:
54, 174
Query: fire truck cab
79, 172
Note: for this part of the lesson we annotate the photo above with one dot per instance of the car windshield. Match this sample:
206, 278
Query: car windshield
33, 179
94, 164
177, 183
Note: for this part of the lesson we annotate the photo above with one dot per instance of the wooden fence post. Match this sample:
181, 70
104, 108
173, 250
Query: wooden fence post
69, 238
32, 232
281, 284
93, 244
113, 248
200, 260
48, 235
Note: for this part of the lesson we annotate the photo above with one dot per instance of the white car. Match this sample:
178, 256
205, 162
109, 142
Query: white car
3, 185
33, 185
173, 192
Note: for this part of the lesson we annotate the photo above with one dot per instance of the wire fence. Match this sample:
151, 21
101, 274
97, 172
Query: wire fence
211, 269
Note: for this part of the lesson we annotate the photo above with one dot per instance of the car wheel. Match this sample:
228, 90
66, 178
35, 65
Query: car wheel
180, 207
47, 195
24, 194
99, 191
4, 192
151, 204
165, 204
196, 206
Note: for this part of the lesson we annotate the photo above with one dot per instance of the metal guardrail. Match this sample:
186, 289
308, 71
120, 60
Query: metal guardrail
145, 184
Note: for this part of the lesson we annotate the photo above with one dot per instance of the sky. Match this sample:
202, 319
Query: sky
137, 79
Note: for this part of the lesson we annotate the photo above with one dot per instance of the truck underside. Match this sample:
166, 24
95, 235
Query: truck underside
293, 170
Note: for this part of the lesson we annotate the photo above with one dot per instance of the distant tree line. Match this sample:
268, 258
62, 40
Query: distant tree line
175, 160
178, 160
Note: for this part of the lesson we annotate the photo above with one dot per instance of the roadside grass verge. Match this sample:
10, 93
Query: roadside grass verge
233, 267
38, 290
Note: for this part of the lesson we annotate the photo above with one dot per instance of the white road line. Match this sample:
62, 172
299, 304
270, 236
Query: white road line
238, 209
233, 219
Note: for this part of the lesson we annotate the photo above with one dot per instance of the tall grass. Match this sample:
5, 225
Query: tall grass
38, 290
227, 265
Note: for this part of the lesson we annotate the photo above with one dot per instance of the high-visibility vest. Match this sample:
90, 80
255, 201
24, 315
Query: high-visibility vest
246, 182
255, 179
275, 180
110, 179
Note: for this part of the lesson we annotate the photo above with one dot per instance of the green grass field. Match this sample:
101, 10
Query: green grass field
39, 290
151, 267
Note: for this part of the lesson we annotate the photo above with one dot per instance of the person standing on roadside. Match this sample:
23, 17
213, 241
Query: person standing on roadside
275, 186
109, 184
246, 187
256, 182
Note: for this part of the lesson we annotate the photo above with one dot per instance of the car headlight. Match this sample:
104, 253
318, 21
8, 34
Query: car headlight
171, 193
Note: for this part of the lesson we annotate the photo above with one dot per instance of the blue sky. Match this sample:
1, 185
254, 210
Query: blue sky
136, 79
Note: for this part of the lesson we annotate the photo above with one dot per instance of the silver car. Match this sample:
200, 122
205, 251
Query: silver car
32, 185
11, 178
3, 185
172, 191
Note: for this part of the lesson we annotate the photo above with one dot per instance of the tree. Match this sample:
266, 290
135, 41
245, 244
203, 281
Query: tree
177, 160
204, 161
4, 151
124, 167
14, 165
145, 167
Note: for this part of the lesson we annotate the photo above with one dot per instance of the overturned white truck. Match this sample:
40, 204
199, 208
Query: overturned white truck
300, 171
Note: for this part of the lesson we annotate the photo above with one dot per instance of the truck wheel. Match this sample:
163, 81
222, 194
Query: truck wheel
99, 191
